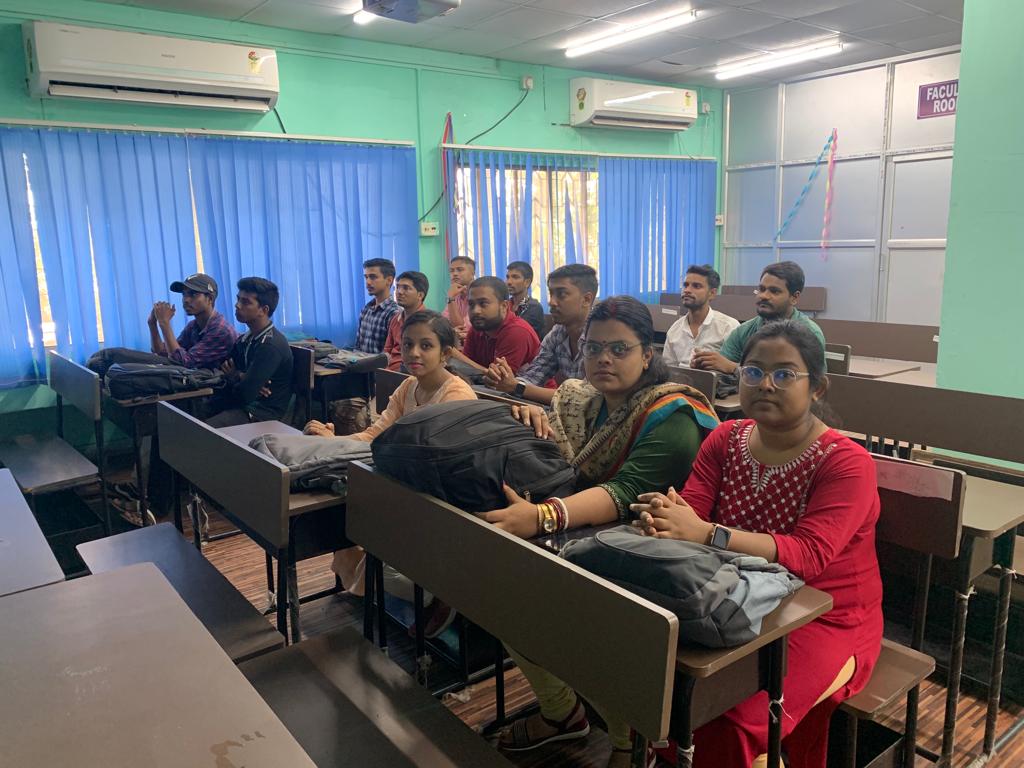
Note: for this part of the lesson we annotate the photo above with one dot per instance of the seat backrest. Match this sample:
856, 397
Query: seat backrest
921, 506
252, 487
385, 383
663, 317
526, 596
893, 341
671, 299
302, 371
739, 306
837, 358
76, 384
705, 382
812, 298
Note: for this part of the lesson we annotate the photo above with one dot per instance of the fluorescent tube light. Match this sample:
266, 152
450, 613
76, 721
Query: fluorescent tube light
363, 17
780, 59
635, 33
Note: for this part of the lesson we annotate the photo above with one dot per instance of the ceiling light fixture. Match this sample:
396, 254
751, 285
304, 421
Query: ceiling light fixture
818, 50
363, 17
646, 29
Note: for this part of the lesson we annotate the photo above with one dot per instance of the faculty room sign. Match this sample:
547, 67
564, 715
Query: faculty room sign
937, 99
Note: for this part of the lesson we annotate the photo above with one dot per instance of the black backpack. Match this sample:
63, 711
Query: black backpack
463, 451
129, 381
101, 361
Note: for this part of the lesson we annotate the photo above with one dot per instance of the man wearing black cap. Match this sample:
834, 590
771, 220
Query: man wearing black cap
207, 340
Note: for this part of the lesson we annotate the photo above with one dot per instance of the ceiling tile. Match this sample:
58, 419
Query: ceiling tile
472, 12
594, 9
648, 48
528, 23
864, 15
392, 31
303, 16
928, 43
915, 29
789, 34
710, 55
658, 70
221, 9
471, 42
951, 9
730, 23
795, 9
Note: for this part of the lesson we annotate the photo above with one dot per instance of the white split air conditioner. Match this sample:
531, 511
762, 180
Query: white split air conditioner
614, 104
92, 63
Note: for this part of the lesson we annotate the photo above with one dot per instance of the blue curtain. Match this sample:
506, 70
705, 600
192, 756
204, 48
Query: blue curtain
305, 215
113, 218
21, 328
657, 217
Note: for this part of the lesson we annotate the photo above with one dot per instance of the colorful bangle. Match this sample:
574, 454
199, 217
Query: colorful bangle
561, 512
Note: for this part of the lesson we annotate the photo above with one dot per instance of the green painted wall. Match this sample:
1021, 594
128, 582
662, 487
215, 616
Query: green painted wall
980, 341
337, 86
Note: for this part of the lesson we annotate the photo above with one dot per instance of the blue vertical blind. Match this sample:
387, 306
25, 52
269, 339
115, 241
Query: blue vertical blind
305, 215
657, 217
95, 225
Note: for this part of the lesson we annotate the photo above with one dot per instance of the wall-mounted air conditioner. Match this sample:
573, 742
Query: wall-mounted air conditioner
614, 104
91, 63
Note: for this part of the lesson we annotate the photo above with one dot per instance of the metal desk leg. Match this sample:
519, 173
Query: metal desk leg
956, 665
176, 504
422, 660
776, 668
140, 475
369, 582
282, 592
998, 651
499, 682
271, 594
292, 595
193, 516
382, 618
101, 460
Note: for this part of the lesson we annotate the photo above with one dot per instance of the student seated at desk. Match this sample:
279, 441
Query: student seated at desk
259, 371
625, 429
427, 342
462, 271
701, 327
206, 340
375, 317
410, 292
496, 331
519, 279
784, 486
777, 294
571, 292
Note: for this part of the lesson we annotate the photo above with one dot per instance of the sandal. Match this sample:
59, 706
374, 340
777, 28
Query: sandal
573, 726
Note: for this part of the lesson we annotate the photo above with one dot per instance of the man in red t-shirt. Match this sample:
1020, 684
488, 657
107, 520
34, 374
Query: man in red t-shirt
410, 291
496, 331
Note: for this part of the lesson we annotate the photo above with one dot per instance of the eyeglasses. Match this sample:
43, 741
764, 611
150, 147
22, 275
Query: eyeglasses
752, 376
618, 349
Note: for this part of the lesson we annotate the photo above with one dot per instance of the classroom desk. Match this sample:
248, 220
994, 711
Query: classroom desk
922, 377
26, 560
87, 681
137, 418
729, 406
878, 368
351, 384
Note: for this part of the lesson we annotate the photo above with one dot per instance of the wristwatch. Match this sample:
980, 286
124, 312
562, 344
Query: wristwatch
519, 389
720, 536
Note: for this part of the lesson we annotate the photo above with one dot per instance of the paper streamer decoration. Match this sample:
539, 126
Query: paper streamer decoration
807, 188
826, 224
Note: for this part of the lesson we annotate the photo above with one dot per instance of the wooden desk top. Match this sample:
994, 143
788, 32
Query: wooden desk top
992, 508
794, 612
320, 371
45, 463
154, 399
921, 377
26, 561
878, 368
78, 651
728, 405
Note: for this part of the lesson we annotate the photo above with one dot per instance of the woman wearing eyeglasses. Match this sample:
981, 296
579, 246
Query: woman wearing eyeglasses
784, 486
625, 430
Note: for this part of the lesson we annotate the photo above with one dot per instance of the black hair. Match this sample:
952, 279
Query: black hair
637, 318
789, 272
418, 279
580, 275
465, 260
500, 287
386, 266
708, 273
266, 292
437, 323
797, 333
522, 268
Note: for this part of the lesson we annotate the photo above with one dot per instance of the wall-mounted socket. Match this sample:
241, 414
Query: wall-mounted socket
428, 229
526, 83
719, 219
705, 108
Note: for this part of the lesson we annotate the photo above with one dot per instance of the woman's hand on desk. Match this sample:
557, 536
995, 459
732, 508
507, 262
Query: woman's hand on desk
320, 429
519, 518
533, 416
668, 516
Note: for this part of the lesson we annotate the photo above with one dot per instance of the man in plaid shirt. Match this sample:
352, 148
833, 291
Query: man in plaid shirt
376, 316
206, 341
572, 290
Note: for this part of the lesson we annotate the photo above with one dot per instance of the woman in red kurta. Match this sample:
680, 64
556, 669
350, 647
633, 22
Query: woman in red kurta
786, 487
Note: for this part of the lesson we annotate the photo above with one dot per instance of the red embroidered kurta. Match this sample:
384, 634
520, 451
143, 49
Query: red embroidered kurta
821, 509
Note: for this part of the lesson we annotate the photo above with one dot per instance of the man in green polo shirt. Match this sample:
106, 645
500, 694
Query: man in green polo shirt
777, 295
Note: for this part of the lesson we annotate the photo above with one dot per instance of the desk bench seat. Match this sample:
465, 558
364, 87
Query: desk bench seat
899, 670
42, 464
346, 703
233, 621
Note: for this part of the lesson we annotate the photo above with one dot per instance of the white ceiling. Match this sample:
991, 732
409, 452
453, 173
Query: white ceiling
537, 31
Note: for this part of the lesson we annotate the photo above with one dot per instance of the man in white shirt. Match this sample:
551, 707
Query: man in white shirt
701, 327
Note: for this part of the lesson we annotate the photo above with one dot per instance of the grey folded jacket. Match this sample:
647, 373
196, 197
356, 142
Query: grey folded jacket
313, 461
719, 597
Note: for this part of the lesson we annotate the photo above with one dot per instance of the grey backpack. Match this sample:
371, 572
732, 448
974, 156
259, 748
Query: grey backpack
719, 597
